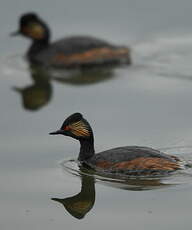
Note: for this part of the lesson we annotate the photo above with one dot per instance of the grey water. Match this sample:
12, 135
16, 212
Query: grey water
146, 104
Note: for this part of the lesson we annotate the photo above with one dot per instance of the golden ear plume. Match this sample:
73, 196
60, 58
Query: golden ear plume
34, 30
80, 129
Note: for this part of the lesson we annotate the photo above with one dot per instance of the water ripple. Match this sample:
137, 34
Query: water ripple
182, 177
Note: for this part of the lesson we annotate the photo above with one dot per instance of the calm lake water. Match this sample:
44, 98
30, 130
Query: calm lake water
147, 104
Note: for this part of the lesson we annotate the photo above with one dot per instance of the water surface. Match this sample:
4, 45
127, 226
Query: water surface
147, 104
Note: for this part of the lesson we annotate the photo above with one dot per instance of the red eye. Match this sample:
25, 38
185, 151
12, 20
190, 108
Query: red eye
66, 128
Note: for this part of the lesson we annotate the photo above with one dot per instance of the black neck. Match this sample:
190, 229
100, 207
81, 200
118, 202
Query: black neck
37, 46
87, 149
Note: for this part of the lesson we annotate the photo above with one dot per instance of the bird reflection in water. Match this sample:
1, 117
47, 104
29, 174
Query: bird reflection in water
38, 94
84, 77
79, 205
138, 184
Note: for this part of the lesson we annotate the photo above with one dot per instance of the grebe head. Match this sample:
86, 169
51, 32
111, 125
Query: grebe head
31, 26
76, 127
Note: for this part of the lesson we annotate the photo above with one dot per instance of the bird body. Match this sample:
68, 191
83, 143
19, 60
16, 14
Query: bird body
70, 52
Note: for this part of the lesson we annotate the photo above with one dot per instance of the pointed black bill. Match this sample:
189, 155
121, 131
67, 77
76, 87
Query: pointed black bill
57, 199
14, 33
56, 132
16, 89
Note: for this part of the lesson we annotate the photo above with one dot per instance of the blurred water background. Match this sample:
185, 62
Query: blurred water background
146, 104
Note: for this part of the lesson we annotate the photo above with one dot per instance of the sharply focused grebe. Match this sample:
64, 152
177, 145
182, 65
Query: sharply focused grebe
130, 160
70, 52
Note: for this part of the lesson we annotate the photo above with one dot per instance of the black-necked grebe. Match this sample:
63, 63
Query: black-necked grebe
70, 52
130, 160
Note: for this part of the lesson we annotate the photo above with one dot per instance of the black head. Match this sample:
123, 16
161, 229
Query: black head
76, 127
31, 26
